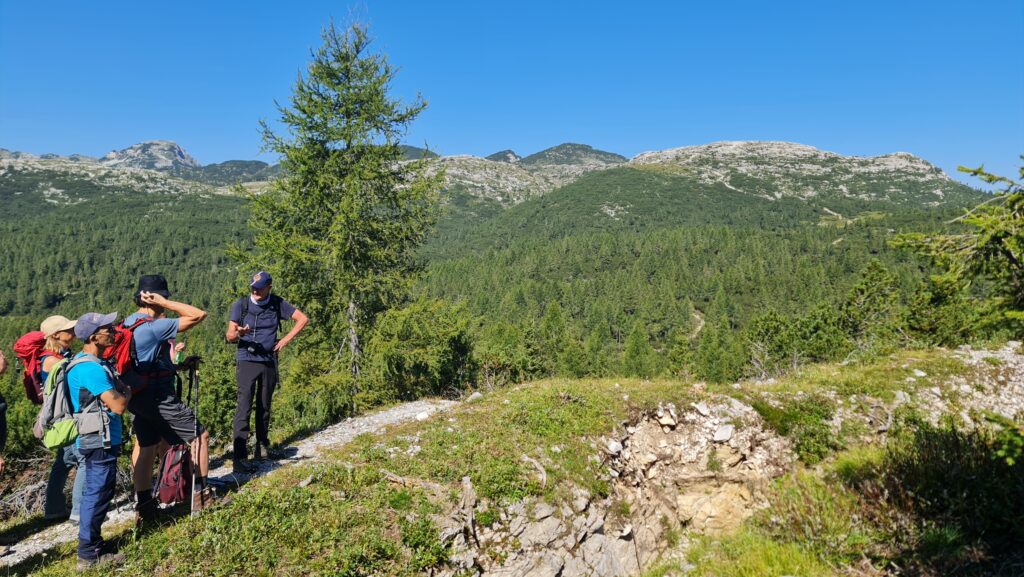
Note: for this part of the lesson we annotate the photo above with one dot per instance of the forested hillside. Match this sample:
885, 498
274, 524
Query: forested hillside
641, 270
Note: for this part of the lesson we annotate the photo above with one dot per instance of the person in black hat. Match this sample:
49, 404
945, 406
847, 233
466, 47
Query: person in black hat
254, 323
158, 412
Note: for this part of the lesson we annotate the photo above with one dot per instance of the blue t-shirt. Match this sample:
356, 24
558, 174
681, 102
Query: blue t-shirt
93, 378
258, 346
151, 341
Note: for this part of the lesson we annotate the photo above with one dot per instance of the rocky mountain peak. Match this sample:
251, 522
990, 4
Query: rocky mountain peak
152, 154
572, 153
506, 155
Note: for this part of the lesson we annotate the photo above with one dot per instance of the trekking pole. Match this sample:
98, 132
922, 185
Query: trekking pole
193, 383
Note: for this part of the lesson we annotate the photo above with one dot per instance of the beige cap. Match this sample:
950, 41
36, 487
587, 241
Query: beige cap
55, 324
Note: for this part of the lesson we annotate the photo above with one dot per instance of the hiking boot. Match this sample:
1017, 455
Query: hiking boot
145, 513
105, 560
243, 467
275, 454
203, 498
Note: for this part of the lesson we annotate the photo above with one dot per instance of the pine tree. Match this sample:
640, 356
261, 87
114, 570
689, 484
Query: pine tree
337, 231
636, 359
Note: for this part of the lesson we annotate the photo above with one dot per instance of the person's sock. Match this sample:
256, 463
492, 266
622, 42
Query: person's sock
202, 481
143, 496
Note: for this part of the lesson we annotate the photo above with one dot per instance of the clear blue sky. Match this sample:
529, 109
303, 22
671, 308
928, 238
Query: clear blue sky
943, 80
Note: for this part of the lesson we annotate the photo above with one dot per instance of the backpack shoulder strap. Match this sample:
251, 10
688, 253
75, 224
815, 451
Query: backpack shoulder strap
275, 305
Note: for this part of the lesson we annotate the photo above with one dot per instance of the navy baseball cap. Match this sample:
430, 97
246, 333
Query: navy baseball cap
260, 280
87, 324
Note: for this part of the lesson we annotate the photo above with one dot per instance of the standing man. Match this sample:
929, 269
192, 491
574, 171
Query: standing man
253, 324
159, 413
98, 400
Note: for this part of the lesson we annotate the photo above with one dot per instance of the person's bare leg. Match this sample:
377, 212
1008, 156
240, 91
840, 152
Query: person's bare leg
201, 454
142, 467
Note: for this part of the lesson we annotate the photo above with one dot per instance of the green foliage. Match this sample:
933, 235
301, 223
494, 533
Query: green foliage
870, 314
505, 354
805, 420
990, 257
1009, 439
421, 349
637, 357
339, 227
773, 344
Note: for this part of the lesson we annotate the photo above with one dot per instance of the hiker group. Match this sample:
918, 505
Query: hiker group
136, 366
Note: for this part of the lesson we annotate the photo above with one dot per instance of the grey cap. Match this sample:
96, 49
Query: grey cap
87, 324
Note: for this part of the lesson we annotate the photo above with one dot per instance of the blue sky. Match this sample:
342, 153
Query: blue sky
943, 80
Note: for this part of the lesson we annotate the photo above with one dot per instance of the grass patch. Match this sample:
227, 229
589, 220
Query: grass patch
750, 554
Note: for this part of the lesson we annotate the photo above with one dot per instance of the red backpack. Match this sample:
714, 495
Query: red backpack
174, 483
122, 355
31, 352
125, 358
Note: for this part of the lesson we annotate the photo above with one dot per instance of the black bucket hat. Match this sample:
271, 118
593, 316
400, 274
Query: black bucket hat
154, 283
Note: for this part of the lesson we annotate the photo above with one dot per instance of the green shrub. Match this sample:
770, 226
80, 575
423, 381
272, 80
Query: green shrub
421, 349
805, 420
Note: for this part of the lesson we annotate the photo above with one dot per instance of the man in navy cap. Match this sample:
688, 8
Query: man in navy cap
98, 400
254, 323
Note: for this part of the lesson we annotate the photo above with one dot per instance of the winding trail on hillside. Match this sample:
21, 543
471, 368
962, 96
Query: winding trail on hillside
309, 449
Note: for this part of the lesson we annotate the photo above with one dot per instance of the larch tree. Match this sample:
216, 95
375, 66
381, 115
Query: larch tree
339, 228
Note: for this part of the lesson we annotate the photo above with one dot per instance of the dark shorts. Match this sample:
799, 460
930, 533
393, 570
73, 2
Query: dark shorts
158, 414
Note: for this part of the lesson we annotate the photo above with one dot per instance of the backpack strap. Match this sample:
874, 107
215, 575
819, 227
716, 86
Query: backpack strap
90, 415
275, 305
154, 371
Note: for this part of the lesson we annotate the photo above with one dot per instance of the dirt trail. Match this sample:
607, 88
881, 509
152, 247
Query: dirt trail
305, 450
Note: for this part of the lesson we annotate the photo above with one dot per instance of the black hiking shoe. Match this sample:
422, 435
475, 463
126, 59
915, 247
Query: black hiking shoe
243, 467
145, 514
271, 453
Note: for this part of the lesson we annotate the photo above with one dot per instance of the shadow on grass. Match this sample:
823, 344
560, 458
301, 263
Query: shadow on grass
948, 502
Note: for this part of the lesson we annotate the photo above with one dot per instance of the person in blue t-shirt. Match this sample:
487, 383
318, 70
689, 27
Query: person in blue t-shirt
98, 400
158, 413
253, 324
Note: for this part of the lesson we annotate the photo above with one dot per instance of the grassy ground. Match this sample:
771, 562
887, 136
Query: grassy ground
343, 517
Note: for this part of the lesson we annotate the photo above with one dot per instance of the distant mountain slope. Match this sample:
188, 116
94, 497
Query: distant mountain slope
416, 153
571, 153
61, 182
229, 172
776, 170
504, 156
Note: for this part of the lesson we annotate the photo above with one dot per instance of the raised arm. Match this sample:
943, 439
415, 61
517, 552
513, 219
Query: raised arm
188, 315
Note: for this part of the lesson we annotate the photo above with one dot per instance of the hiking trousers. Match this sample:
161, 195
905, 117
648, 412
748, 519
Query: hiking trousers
100, 476
66, 459
256, 382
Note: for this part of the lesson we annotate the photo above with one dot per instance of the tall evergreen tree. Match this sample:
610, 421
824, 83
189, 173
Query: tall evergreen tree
636, 359
339, 228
